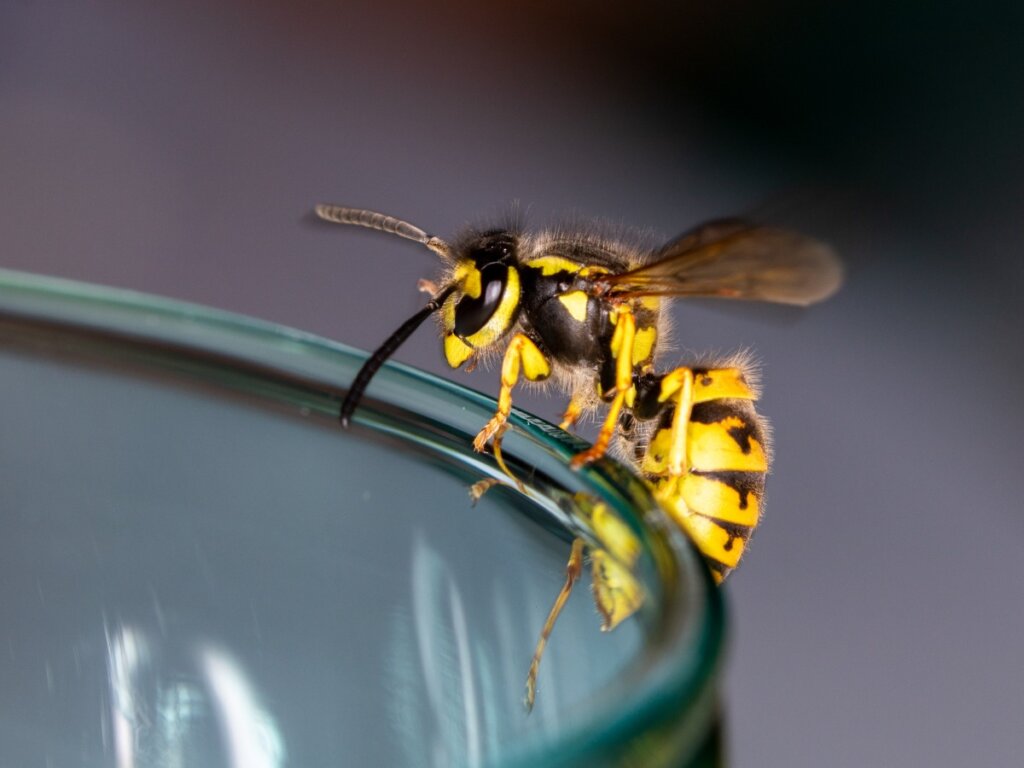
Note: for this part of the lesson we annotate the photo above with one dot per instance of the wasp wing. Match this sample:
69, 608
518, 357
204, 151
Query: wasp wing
735, 259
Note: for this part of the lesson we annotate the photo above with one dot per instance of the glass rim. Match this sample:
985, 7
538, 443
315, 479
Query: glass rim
677, 686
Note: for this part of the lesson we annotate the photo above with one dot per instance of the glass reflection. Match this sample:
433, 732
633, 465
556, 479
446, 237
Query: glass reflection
177, 706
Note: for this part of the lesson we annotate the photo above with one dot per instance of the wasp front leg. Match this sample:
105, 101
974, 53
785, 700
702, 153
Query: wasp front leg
622, 353
520, 355
427, 286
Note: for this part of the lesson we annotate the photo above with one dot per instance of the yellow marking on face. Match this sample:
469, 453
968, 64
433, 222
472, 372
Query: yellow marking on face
713, 498
710, 447
456, 351
468, 278
643, 344
575, 304
550, 265
535, 366
616, 593
721, 382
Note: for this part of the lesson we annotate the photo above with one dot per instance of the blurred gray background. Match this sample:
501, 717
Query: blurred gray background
175, 147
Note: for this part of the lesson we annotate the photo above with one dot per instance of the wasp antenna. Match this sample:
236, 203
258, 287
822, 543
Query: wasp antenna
360, 217
384, 351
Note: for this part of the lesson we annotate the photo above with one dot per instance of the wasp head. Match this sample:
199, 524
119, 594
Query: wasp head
485, 303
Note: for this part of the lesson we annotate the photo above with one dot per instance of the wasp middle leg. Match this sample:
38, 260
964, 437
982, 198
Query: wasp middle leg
622, 354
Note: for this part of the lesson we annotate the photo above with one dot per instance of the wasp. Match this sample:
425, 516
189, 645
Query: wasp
586, 313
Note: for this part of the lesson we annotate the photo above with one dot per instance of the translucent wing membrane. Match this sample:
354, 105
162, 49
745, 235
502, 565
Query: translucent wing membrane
738, 260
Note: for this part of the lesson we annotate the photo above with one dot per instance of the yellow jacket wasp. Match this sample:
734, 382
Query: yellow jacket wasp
585, 312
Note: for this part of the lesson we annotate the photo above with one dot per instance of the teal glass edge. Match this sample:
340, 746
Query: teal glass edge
675, 702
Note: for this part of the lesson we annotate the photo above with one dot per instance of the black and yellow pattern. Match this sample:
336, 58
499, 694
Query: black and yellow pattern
584, 312
704, 453
715, 496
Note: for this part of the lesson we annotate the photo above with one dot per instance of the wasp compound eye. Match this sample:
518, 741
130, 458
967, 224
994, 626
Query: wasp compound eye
472, 314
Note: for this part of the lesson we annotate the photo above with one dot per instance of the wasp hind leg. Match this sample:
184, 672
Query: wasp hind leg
573, 569
677, 386
617, 593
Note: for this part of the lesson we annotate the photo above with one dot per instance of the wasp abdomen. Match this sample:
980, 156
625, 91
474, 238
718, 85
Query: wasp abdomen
716, 498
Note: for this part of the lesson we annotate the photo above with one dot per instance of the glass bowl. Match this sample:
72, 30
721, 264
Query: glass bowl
199, 567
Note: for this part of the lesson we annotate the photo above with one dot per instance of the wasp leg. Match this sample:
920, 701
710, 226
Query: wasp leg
480, 487
622, 352
617, 594
520, 353
678, 384
574, 410
500, 459
427, 286
573, 569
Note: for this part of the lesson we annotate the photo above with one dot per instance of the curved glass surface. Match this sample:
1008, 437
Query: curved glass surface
199, 567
